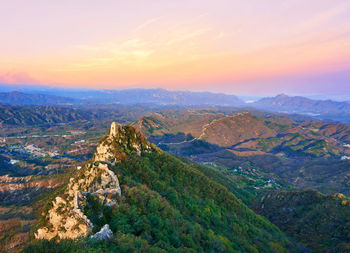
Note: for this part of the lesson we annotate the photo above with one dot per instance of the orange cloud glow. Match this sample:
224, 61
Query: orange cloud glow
171, 46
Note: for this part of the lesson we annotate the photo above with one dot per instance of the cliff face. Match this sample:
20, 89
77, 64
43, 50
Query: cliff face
66, 219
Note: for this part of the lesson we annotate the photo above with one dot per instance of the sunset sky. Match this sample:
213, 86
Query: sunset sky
239, 47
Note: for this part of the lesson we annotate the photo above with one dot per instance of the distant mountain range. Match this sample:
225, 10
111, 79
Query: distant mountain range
24, 115
322, 109
20, 98
299, 104
129, 96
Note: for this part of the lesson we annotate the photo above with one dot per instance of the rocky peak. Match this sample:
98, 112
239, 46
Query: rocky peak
113, 131
119, 143
66, 219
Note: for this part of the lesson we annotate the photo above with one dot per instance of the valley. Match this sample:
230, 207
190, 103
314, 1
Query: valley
175, 126
300, 153
254, 154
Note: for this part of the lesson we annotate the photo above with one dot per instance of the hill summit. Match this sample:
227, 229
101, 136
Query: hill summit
145, 200
65, 218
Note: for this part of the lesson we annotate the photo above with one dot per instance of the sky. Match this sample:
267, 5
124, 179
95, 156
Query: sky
237, 47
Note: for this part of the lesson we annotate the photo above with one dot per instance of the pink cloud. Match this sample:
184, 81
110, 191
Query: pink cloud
17, 78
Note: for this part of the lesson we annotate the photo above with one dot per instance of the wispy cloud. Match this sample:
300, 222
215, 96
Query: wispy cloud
146, 23
154, 42
320, 19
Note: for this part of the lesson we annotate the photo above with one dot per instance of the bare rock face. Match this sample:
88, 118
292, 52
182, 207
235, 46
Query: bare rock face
114, 129
65, 219
64, 222
104, 234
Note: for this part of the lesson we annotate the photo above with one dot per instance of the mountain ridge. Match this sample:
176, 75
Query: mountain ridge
322, 109
161, 204
66, 218
124, 96
20, 98
299, 104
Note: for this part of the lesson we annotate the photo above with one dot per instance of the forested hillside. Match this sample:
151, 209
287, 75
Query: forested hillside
166, 205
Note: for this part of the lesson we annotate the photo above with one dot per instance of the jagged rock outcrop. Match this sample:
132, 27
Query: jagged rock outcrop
104, 234
66, 218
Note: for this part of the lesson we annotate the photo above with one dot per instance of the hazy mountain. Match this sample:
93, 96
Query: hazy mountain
29, 115
299, 104
35, 115
281, 103
19, 98
134, 96
320, 109
161, 96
